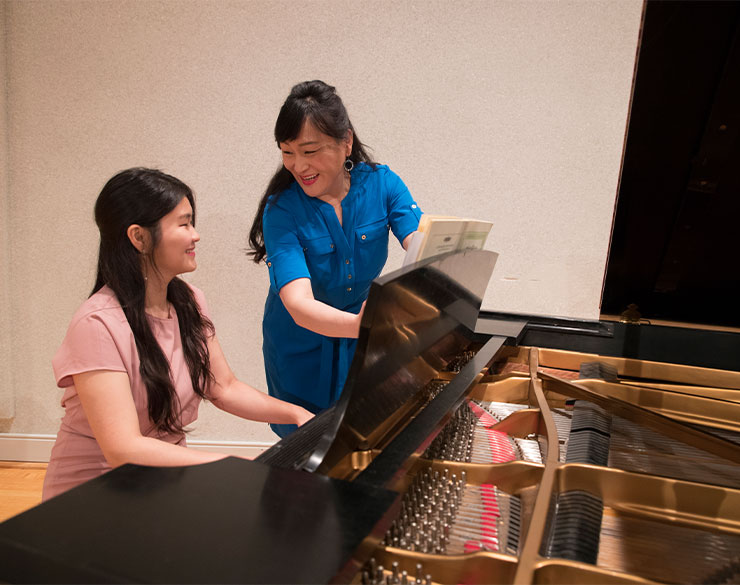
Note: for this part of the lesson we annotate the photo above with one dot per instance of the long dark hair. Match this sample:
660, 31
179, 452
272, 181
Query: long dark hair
143, 196
318, 102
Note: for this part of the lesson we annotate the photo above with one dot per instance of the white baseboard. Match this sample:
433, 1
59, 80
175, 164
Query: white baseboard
27, 447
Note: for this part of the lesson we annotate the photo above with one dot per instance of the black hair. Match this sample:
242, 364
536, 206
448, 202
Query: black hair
144, 196
318, 102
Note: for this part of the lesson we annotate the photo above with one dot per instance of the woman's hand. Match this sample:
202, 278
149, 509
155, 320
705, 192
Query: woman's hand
302, 415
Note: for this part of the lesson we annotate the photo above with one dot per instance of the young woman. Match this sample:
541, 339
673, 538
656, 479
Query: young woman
322, 229
141, 352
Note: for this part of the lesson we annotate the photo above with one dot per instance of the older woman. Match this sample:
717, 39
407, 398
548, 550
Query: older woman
322, 228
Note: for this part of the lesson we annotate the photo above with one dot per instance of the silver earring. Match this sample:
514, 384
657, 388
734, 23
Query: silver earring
348, 165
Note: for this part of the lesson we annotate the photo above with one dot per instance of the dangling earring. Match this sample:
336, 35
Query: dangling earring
143, 254
348, 165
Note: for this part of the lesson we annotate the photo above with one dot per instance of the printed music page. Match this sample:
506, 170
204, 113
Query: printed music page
438, 234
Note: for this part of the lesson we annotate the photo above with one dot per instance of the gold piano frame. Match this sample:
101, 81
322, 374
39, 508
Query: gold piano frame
657, 395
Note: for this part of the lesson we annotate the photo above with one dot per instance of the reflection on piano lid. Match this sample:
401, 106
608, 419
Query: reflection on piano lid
417, 322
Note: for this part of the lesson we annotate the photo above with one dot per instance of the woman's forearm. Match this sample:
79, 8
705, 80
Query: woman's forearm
109, 407
297, 296
155, 452
247, 402
325, 319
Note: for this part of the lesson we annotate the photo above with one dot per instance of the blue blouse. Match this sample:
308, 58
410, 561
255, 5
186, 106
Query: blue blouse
304, 239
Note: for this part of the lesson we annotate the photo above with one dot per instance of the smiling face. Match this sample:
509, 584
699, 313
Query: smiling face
174, 253
316, 160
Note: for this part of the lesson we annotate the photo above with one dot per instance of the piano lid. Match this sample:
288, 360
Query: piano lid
229, 521
416, 320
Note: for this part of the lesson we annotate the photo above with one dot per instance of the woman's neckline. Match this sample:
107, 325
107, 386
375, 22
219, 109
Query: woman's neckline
168, 317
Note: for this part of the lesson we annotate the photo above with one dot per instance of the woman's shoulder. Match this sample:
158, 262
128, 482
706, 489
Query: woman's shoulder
98, 338
377, 176
103, 305
99, 319
284, 198
287, 208
366, 170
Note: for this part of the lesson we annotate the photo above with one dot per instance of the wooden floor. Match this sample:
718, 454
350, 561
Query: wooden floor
20, 487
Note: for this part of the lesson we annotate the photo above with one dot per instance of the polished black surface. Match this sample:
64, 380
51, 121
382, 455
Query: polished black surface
416, 321
232, 521
421, 431
673, 247
293, 451
690, 346
512, 329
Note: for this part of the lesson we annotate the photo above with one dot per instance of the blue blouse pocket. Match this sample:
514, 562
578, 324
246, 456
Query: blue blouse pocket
320, 254
371, 249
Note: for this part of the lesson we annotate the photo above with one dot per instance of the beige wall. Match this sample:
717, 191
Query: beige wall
512, 111
7, 402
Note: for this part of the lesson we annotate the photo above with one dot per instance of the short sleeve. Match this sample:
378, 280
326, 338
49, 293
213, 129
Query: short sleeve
285, 258
404, 213
88, 346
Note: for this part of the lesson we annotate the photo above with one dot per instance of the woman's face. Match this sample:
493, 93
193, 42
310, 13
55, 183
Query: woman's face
316, 160
175, 251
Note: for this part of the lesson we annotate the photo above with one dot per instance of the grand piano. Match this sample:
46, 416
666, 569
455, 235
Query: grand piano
466, 447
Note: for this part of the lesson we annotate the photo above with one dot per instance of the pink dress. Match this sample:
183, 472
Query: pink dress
100, 338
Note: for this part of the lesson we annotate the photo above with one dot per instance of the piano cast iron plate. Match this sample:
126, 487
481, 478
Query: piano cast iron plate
231, 521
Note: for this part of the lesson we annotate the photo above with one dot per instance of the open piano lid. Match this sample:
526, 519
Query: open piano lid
416, 321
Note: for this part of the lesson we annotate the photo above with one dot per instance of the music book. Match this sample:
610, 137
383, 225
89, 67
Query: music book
438, 234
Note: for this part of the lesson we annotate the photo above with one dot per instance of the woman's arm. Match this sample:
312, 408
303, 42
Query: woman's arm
109, 406
235, 397
297, 296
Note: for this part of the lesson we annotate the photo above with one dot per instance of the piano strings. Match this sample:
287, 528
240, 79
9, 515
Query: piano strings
443, 514
469, 438
590, 435
667, 552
